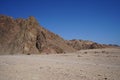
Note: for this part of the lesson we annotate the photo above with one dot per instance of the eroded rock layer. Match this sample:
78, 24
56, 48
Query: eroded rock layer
26, 36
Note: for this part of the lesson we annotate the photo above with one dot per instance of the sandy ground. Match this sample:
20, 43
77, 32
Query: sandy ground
97, 64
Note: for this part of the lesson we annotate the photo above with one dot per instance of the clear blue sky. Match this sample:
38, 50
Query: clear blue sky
96, 20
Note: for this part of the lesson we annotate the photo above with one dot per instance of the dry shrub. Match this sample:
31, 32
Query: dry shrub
96, 52
103, 51
79, 55
85, 52
28, 54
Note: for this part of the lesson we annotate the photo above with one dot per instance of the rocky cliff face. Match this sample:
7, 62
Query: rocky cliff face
26, 36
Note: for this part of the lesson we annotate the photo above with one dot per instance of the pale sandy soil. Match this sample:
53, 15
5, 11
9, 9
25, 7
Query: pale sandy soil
97, 64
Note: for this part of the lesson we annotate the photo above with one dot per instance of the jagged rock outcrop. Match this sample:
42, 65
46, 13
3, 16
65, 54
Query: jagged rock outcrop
26, 36
83, 44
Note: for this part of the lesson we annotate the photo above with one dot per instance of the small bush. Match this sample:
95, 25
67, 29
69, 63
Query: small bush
85, 52
103, 51
79, 56
96, 52
28, 54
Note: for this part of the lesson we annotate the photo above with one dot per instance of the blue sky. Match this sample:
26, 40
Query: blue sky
95, 20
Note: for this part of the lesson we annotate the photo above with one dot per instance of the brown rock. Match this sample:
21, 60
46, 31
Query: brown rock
26, 36
23, 36
84, 44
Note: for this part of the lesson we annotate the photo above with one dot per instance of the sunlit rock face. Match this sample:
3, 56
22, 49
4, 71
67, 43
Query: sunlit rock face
84, 44
26, 36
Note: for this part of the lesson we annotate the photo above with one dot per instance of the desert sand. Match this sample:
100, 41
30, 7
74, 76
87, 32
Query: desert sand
95, 64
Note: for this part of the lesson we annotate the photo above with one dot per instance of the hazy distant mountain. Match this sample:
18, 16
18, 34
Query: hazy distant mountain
26, 36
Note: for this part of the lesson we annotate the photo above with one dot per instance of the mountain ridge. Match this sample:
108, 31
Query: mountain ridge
27, 36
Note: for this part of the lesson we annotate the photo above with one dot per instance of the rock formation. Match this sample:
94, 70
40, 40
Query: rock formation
84, 44
26, 36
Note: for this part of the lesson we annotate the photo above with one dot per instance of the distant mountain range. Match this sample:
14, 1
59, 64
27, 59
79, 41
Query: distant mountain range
26, 36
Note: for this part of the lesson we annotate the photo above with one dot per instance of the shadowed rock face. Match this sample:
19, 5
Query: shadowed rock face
27, 36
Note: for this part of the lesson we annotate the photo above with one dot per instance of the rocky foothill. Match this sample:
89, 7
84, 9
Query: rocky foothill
26, 36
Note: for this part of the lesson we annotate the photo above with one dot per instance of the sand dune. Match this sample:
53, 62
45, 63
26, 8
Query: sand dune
96, 64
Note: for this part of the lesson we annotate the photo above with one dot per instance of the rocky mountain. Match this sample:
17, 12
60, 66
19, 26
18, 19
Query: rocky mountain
84, 44
26, 36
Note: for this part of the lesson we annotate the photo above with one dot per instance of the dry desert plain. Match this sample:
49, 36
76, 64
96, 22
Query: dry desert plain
95, 64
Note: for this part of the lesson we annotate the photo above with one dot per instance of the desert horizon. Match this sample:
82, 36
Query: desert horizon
59, 40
